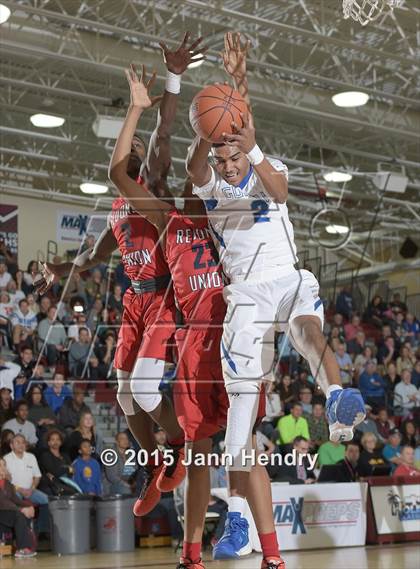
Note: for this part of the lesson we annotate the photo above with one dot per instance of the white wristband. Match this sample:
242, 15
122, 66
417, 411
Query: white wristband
173, 83
256, 155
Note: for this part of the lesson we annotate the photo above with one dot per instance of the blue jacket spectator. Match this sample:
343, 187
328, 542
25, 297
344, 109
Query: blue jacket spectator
87, 471
372, 386
391, 451
344, 303
56, 394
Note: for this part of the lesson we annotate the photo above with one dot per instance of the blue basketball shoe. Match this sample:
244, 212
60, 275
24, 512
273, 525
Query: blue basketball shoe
234, 542
345, 409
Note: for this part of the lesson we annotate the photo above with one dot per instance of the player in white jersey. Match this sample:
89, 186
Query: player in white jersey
245, 195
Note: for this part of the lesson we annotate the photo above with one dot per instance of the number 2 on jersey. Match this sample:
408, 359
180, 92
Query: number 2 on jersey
260, 209
199, 251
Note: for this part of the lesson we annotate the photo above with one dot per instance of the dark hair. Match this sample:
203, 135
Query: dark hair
25, 346
20, 404
83, 328
297, 404
4, 445
299, 439
52, 432
22, 300
28, 395
29, 265
83, 441
352, 444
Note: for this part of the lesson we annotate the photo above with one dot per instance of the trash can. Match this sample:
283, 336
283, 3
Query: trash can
70, 524
115, 523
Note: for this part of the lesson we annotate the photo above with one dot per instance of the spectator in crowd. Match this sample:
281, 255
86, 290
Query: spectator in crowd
40, 414
28, 277
8, 373
397, 328
55, 466
15, 293
120, 477
273, 411
338, 321
115, 301
287, 392
305, 399
357, 345
53, 334
330, 453
96, 287
299, 472
407, 466
361, 360
72, 408
21, 385
368, 425
33, 305
344, 304
20, 424
415, 375
5, 276
57, 392
24, 471
79, 353
6, 405
371, 458
16, 515
351, 328
391, 379
84, 430
334, 338
95, 315
375, 311
5, 441
345, 364
406, 395
386, 351
26, 361
409, 434
293, 425
405, 360
79, 321
392, 450
397, 305
44, 306
318, 427
345, 470
24, 324
372, 386
105, 352
412, 329
38, 377
87, 471
383, 423
6, 306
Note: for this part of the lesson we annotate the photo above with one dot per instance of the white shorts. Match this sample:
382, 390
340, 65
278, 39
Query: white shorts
254, 311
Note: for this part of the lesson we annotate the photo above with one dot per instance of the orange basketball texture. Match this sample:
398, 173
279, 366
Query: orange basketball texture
213, 109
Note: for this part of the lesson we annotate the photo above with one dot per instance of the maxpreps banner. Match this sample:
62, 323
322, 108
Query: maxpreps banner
312, 516
74, 226
9, 226
396, 508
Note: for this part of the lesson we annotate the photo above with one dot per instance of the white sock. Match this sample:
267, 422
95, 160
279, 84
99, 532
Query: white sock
237, 504
332, 388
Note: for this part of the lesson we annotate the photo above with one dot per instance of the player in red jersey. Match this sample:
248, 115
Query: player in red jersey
148, 319
200, 397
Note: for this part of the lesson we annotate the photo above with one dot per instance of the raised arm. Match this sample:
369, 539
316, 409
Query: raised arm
234, 59
138, 196
102, 251
159, 153
198, 168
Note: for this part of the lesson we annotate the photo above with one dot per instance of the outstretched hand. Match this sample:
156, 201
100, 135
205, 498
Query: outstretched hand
234, 54
140, 88
177, 61
243, 137
48, 278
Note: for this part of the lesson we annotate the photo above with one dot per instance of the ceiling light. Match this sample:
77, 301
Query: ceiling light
350, 99
47, 121
194, 62
4, 13
337, 176
334, 229
93, 188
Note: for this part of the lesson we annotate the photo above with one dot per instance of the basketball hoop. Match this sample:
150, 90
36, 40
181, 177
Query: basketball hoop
365, 11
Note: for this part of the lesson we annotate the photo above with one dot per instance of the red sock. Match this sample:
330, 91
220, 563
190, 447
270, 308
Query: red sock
269, 545
191, 551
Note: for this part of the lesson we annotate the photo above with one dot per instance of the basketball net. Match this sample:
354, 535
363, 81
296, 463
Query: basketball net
365, 11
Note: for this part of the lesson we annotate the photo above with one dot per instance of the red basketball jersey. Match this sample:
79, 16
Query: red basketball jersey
138, 242
196, 272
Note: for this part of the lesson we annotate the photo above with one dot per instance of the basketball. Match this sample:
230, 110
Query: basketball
213, 109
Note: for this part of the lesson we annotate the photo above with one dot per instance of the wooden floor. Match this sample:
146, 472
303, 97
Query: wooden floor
384, 557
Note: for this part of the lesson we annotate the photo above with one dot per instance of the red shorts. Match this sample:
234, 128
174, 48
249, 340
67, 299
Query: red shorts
200, 397
147, 328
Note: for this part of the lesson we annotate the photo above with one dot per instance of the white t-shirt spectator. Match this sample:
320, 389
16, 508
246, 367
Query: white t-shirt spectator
27, 429
27, 320
22, 470
7, 308
8, 372
4, 279
402, 394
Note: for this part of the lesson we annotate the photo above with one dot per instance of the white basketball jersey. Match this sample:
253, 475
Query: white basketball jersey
251, 231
